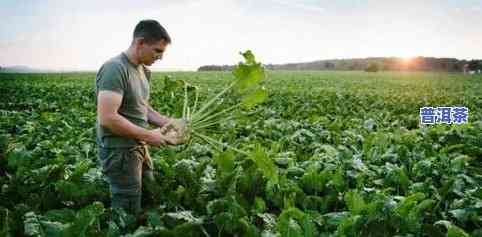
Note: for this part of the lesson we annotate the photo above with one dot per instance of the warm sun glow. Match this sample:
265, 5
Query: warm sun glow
407, 60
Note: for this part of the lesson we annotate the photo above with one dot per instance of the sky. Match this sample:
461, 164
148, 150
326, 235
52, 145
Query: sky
81, 35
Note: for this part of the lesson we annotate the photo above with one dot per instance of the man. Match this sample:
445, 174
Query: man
124, 114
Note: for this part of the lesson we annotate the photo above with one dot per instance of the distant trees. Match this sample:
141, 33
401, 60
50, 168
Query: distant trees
373, 67
371, 64
215, 68
475, 65
329, 65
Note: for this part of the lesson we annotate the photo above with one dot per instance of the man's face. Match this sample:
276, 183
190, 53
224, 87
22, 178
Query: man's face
149, 52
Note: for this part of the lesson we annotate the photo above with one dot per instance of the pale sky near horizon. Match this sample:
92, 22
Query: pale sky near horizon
81, 35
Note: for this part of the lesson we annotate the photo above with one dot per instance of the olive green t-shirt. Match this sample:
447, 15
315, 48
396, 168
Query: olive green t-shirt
132, 82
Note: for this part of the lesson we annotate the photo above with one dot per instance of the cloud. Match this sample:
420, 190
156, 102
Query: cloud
300, 5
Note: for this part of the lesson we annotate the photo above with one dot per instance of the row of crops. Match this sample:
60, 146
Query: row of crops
328, 154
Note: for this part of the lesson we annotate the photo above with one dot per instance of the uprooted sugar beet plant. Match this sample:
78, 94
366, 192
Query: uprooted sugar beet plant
201, 120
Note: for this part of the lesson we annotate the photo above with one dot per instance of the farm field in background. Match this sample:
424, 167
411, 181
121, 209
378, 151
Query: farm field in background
330, 154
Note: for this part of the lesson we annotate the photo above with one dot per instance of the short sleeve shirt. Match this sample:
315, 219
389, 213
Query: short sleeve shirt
132, 82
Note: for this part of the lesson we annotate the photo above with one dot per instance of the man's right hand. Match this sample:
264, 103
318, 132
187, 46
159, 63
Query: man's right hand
157, 139
178, 125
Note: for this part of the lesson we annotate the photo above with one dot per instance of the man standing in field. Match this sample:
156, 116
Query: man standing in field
124, 114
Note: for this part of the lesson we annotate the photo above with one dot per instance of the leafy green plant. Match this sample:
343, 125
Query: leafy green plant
200, 121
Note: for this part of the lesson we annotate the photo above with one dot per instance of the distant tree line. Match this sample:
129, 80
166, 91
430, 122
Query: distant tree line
372, 64
474, 65
216, 68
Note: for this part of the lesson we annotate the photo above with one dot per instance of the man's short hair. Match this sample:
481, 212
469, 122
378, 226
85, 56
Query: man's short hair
151, 31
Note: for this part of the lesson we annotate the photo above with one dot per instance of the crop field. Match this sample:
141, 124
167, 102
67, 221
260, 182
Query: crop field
327, 154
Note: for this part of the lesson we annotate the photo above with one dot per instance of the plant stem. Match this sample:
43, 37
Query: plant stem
195, 100
219, 143
207, 117
210, 123
188, 116
184, 107
206, 106
209, 142
211, 110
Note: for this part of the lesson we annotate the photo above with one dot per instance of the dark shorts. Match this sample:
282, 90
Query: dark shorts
126, 170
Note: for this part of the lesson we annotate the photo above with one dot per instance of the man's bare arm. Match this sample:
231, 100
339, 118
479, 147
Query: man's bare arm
107, 107
155, 118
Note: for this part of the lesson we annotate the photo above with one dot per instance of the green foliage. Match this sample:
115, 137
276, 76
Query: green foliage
325, 154
355, 203
248, 74
254, 98
265, 164
83, 224
293, 222
5, 222
475, 65
452, 230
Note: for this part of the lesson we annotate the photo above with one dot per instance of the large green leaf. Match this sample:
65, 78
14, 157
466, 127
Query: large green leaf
265, 164
248, 74
354, 202
294, 222
338, 179
288, 223
36, 225
408, 203
4, 222
142, 232
452, 230
249, 57
177, 218
254, 98
335, 218
227, 213
309, 227
225, 162
32, 225
85, 219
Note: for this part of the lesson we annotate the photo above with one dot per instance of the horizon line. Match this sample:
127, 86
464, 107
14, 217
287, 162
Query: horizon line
173, 69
